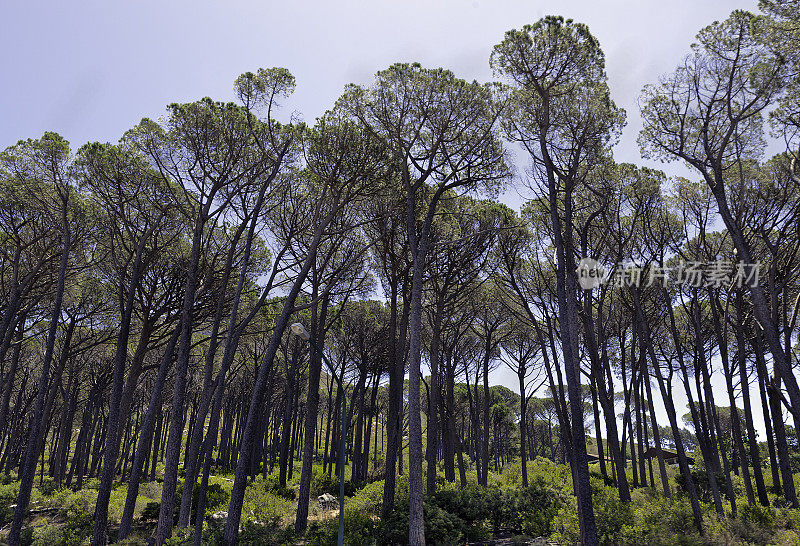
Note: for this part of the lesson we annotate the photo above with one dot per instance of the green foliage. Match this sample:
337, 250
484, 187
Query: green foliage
755, 514
264, 507
477, 513
610, 513
47, 487
78, 516
8, 496
359, 528
325, 483
48, 534
253, 533
656, 520
534, 509
272, 484
367, 500
542, 471
441, 527
703, 485
216, 496
150, 511
611, 516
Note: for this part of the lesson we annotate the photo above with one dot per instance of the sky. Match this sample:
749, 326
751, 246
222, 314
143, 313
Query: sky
91, 70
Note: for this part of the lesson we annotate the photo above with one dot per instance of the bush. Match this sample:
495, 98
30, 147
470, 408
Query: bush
441, 527
611, 517
656, 520
150, 511
762, 516
47, 487
252, 533
530, 510
535, 508
359, 528
150, 490
272, 484
264, 507
216, 496
323, 483
471, 504
368, 499
610, 513
8, 496
47, 535
78, 514
703, 485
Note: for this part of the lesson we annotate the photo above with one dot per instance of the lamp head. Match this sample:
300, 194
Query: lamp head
299, 330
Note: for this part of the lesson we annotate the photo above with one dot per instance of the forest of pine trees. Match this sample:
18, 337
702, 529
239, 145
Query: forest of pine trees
147, 288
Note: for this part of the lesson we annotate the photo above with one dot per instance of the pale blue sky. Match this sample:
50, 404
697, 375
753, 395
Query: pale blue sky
90, 70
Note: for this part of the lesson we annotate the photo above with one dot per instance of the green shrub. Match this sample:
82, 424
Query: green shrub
47, 487
535, 508
611, 517
471, 504
47, 535
762, 516
566, 526
530, 510
657, 520
323, 483
703, 485
359, 528
150, 511
610, 513
216, 496
252, 533
264, 507
8, 496
78, 514
441, 527
150, 490
272, 484
368, 499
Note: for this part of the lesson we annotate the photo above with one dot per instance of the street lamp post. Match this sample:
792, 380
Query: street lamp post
300, 331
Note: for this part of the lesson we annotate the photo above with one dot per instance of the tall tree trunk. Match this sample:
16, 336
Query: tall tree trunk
755, 458
28, 470
146, 435
100, 532
248, 433
312, 408
176, 425
789, 492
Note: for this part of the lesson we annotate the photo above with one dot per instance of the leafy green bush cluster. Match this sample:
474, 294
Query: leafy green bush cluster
359, 529
8, 496
475, 513
77, 515
263, 506
703, 485
216, 496
150, 511
272, 484
322, 482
